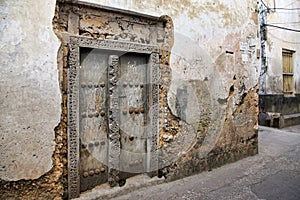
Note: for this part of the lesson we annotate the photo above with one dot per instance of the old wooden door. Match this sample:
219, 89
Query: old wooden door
104, 76
112, 112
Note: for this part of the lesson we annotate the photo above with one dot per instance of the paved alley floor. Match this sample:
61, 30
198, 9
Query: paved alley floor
272, 174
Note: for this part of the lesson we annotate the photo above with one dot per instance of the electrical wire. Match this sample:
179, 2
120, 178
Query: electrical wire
268, 8
286, 12
265, 4
281, 27
286, 8
298, 22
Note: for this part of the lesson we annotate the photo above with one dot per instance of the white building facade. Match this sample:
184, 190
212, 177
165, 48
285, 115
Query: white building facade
280, 78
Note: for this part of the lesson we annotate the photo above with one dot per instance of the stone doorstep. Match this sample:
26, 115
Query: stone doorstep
278, 120
292, 119
104, 191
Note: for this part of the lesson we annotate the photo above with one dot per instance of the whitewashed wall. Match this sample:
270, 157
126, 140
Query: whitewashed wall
278, 39
29, 90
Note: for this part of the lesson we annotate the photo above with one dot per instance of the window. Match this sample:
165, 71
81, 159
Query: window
288, 71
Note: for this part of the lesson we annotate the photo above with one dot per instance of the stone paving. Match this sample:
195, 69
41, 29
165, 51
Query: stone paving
272, 174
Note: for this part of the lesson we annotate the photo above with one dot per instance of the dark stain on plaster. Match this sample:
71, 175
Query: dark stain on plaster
222, 101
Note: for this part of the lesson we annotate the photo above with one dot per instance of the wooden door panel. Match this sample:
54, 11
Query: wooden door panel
133, 116
93, 117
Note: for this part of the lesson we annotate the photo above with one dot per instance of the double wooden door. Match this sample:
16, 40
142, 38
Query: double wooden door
113, 103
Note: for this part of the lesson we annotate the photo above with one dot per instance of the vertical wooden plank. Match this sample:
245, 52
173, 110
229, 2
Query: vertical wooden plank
290, 63
93, 118
132, 116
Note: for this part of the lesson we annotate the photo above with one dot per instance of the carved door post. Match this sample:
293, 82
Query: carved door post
113, 121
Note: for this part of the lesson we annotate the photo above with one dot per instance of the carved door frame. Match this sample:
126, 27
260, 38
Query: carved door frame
77, 42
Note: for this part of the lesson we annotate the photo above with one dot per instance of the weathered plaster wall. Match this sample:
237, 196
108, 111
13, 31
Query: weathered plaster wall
29, 89
278, 39
283, 14
214, 53
212, 61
